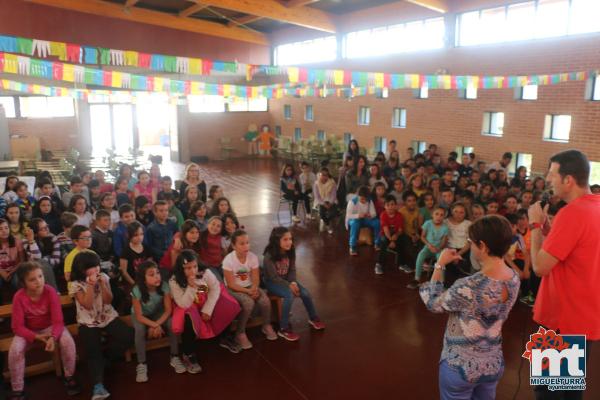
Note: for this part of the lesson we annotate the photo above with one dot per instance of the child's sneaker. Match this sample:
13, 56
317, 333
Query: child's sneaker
378, 269
296, 219
191, 364
269, 332
288, 335
99, 392
243, 342
405, 269
414, 284
353, 251
177, 365
141, 373
329, 229
229, 344
317, 324
72, 386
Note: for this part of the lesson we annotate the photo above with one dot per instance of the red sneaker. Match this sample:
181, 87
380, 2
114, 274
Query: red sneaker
288, 335
317, 324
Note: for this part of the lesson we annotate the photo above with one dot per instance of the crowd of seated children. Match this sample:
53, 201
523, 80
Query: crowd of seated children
178, 269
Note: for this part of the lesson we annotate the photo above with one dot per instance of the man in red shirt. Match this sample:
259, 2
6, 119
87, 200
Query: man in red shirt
568, 299
391, 231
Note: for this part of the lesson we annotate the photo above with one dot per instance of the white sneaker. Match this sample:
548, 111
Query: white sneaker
177, 365
329, 229
141, 373
269, 332
296, 219
243, 342
191, 364
378, 269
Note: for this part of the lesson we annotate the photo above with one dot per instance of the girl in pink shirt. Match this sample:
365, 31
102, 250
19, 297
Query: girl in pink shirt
37, 316
144, 187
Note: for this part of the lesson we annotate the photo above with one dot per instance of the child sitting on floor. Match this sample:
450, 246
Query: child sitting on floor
391, 231
151, 310
107, 203
211, 253
37, 316
280, 280
79, 207
242, 278
120, 239
95, 315
360, 212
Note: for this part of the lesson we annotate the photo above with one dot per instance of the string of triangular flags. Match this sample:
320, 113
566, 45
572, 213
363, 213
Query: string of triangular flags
82, 54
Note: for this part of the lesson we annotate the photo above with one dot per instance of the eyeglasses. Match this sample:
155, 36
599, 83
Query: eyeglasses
85, 238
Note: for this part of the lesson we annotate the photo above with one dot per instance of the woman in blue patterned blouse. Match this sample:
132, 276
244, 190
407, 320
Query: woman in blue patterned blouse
472, 362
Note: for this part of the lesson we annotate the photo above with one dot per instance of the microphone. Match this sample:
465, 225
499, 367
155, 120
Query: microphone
545, 198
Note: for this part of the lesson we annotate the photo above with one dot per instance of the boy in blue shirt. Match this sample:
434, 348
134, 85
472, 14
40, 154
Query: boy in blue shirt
159, 233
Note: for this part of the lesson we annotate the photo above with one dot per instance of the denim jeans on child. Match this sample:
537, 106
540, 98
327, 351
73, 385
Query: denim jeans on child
354, 226
288, 299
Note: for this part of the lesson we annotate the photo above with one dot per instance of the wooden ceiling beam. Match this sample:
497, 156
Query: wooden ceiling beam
192, 10
130, 3
303, 16
136, 14
253, 18
440, 6
297, 3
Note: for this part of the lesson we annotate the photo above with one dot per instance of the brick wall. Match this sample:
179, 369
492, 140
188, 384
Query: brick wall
449, 121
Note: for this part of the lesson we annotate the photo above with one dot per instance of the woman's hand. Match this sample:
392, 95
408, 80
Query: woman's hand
177, 244
29, 235
447, 256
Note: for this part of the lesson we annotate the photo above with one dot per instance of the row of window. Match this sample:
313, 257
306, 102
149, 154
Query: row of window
520, 21
219, 104
528, 20
38, 107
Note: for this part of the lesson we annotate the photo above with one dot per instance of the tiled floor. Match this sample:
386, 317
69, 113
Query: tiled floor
380, 341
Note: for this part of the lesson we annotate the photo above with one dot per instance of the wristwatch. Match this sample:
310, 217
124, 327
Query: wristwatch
439, 266
535, 225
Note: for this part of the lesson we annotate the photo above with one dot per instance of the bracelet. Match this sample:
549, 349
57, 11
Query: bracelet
439, 266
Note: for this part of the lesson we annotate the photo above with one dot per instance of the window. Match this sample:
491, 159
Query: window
258, 104
596, 88
393, 39
418, 146
321, 135
237, 104
8, 103
380, 144
287, 111
46, 107
297, 134
470, 93
423, 92
364, 115
308, 113
493, 123
594, 173
347, 138
399, 118
528, 20
206, 104
557, 128
529, 92
460, 150
277, 130
520, 160
308, 51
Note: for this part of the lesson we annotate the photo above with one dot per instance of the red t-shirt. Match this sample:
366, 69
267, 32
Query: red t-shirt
394, 223
569, 297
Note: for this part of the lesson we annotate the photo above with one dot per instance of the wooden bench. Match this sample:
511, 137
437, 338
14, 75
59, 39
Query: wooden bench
55, 364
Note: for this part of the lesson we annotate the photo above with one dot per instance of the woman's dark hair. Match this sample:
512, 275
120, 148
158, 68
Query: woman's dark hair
187, 226
286, 166
132, 229
355, 166
184, 257
214, 210
11, 238
46, 245
21, 216
83, 261
353, 153
74, 200
119, 180
8, 179
232, 217
195, 207
37, 212
25, 268
213, 189
236, 235
140, 280
104, 196
573, 163
494, 231
274, 248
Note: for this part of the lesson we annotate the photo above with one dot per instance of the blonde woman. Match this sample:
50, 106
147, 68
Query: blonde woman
193, 178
